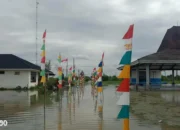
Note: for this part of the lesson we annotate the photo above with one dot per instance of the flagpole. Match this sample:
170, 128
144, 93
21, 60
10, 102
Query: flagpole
67, 69
36, 28
61, 68
44, 106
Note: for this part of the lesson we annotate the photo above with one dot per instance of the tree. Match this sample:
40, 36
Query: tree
48, 65
105, 77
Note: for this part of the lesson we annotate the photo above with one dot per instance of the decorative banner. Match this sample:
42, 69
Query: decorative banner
125, 73
123, 88
43, 60
60, 72
124, 112
124, 99
70, 75
64, 60
100, 69
60, 77
126, 59
129, 33
59, 59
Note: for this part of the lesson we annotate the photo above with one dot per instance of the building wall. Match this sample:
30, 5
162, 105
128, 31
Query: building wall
155, 77
10, 80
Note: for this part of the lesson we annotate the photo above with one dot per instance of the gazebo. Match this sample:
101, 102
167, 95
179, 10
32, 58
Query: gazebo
147, 70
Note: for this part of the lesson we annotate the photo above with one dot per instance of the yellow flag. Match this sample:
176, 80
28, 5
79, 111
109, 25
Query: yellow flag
100, 69
59, 72
100, 108
125, 73
43, 79
43, 53
126, 124
100, 89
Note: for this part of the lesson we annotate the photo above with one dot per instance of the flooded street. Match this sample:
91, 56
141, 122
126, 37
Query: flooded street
25, 110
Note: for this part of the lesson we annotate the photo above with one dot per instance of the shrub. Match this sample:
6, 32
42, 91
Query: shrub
51, 83
18, 88
2, 89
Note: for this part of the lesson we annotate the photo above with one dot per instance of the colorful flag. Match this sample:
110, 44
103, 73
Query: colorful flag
43, 60
59, 58
129, 33
44, 35
123, 88
64, 60
60, 77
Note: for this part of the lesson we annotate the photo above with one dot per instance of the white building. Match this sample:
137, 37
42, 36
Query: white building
15, 71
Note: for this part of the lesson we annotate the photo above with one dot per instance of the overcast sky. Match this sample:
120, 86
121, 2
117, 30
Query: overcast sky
85, 28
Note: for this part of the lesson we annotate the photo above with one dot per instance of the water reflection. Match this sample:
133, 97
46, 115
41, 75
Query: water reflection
12, 102
59, 97
24, 110
173, 96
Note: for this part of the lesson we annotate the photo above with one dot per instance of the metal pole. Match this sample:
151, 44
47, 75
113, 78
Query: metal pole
67, 69
44, 106
36, 28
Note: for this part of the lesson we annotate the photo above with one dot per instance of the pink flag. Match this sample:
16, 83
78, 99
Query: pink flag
103, 56
70, 68
44, 35
64, 60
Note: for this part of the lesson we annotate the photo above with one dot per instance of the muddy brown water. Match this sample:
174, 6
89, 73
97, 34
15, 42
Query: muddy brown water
25, 111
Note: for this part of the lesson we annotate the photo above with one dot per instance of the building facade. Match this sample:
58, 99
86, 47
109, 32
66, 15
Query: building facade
15, 71
154, 75
14, 78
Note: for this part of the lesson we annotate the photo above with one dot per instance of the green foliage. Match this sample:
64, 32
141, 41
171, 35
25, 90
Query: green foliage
105, 77
113, 78
51, 82
87, 78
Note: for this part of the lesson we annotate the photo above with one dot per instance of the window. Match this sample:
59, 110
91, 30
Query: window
17, 73
2, 72
33, 77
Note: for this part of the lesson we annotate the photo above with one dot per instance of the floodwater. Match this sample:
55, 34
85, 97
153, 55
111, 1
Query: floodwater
25, 111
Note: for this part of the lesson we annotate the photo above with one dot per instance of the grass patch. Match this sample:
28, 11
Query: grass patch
106, 83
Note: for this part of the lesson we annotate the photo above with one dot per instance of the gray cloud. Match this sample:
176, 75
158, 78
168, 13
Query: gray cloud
85, 29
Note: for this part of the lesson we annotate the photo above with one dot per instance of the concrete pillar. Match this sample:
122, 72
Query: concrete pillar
137, 75
147, 76
173, 77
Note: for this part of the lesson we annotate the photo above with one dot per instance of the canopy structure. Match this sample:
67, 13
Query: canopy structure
167, 56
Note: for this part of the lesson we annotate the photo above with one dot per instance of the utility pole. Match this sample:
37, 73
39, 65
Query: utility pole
36, 29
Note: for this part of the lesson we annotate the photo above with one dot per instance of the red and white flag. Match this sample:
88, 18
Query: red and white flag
64, 60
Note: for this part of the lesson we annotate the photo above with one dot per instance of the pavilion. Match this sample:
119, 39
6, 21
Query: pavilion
147, 70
